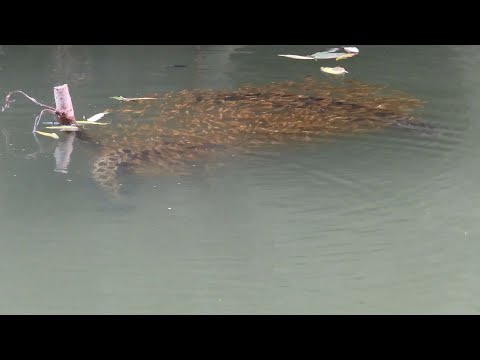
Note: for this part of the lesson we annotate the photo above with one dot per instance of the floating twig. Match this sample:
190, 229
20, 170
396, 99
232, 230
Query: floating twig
39, 116
91, 123
63, 128
121, 98
8, 101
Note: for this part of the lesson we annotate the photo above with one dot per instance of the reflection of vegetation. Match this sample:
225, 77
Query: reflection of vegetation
178, 128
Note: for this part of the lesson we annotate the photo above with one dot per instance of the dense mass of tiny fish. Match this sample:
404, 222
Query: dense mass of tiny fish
180, 128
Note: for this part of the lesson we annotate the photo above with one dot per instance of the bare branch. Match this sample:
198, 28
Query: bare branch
8, 101
39, 116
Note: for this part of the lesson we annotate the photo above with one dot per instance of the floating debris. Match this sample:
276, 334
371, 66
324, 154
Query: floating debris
52, 135
97, 117
91, 123
327, 54
344, 56
351, 49
338, 70
64, 128
299, 57
121, 98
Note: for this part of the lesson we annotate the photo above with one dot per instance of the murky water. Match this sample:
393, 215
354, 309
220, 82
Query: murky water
385, 222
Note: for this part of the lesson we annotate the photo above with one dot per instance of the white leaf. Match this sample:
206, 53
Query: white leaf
351, 49
97, 117
334, 71
299, 57
325, 55
90, 122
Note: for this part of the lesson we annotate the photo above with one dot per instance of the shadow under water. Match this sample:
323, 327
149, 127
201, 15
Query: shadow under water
178, 129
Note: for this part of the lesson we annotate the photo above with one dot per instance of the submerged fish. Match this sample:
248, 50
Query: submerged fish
180, 132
